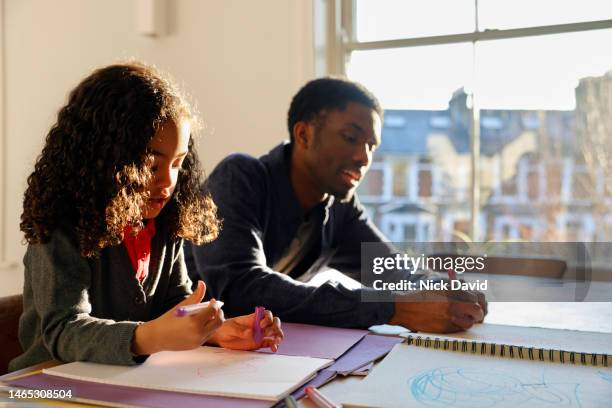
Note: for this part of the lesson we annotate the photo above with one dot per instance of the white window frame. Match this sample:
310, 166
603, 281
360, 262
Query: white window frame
539, 169
449, 218
399, 221
340, 40
587, 226
414, 184
498, 195
461, 194
515, 222
607, 221
548, 197
601, 186
5, 262
570, 168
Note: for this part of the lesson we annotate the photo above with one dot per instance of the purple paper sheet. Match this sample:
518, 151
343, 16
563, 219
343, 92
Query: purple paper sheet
371, 348
132, 396
363, 370
323, 377
316, 341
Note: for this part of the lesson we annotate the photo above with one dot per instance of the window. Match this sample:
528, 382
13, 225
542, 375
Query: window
524, 228
578, 184
502, 14
423, 181
377, 187
440, 122
456, 226
528, 81
415, 226
576, 227
411, 18
394, 121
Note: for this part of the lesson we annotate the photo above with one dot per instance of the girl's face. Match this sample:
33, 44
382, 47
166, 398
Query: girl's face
169, 147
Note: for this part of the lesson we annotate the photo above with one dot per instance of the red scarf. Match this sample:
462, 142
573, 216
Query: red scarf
138, 247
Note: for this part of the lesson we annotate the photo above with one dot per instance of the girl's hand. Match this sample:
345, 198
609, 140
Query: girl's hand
237, 333
169, 332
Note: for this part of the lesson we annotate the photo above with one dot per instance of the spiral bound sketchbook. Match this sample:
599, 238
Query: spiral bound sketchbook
424, 377
526, 343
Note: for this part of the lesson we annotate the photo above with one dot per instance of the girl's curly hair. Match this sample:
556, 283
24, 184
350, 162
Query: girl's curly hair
92, 174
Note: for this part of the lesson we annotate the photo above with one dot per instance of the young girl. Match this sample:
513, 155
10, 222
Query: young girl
112, 196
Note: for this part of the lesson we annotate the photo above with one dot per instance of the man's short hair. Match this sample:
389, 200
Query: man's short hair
323, 94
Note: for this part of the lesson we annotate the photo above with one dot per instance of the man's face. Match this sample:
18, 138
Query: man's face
340, 152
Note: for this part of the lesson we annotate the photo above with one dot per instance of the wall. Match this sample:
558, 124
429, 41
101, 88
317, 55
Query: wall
240, 60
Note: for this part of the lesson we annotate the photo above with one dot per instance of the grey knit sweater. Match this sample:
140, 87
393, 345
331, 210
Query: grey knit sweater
86, 309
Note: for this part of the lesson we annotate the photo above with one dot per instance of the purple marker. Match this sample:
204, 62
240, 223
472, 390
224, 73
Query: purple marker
193, 309
257, 332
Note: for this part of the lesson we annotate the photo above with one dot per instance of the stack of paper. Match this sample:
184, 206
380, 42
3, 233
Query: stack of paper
221, 378
205, 370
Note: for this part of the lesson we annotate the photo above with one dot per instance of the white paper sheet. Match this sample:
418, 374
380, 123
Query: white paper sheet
205, 370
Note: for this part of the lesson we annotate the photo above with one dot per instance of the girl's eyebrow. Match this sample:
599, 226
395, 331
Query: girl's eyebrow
158, 153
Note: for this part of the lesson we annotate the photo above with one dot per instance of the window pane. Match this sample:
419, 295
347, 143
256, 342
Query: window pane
545, 162
545, 127
393, 19
546, 138
414, 78
539, 72
419, 190
501, 14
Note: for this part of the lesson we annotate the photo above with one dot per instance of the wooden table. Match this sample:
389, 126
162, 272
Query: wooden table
587, 316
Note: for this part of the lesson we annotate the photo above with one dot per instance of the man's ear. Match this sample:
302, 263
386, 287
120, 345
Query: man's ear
302, 134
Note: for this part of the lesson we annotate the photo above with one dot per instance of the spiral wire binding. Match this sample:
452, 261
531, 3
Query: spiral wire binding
504, 350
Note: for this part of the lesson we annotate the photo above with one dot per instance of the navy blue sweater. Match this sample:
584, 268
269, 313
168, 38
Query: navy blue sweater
260, 216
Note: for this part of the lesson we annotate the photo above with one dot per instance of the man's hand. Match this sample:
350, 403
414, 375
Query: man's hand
443, 311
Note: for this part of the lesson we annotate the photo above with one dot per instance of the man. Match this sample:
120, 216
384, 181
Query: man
294, 211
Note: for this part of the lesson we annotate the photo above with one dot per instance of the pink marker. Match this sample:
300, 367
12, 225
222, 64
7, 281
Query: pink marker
319, 399
193, 309
257, 332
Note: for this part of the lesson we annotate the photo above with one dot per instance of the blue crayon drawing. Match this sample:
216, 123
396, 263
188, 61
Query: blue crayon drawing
472, 388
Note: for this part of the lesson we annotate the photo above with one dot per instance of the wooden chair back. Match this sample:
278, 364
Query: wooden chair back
10, 311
